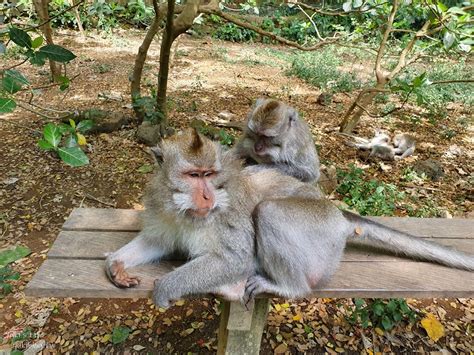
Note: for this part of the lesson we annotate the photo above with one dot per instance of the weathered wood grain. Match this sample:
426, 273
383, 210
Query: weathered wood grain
86, 278
99, 219
103, 219
95, 245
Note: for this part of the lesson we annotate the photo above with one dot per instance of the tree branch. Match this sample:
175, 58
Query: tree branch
244, 24
378, 61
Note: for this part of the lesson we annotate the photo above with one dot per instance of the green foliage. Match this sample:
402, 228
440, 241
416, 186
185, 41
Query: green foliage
371, 197
70, 152
234, 33
321, 69
226, 138
12, 81
435, 97
120, 334
146, 105
384, 314
6, 273
138, 13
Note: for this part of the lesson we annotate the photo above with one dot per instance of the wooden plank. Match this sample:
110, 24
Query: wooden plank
88, 245
431, 227
95, 245
243, 341
86, 278
103, 219
98, 219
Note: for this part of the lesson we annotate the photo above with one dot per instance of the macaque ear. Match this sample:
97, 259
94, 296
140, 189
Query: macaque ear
259, 102
158, 154
292, 115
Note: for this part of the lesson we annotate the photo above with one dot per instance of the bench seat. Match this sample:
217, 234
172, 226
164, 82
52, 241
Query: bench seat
75, 263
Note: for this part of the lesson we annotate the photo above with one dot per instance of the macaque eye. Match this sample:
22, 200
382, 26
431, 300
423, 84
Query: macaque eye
209, 173
194, 174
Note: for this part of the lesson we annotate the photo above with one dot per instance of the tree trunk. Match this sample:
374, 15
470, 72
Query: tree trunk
140, 62
358, 107
78, 17
41, 7
167, 41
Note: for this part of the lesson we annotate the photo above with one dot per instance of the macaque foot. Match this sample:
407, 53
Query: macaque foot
255, 284
119, 277
159, 297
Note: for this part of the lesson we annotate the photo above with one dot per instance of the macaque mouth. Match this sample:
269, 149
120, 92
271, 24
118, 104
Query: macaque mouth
199, 212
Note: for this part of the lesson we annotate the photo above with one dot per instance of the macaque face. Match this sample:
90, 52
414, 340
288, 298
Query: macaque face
202, 191
266, 148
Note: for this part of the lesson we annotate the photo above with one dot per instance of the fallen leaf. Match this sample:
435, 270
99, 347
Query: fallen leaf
433, 327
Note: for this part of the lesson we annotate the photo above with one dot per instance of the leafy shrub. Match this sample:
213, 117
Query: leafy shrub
371, 197
234, 33
383, 314
321, 69
70, 151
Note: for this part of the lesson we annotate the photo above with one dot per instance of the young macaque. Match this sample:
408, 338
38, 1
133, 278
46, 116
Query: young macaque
201, 203
404, 144
276, 137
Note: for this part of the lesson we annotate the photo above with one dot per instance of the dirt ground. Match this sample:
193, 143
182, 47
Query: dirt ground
207, 77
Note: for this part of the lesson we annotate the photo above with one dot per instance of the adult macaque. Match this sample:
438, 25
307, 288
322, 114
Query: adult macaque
203, 204
276, 137
404, 144
200, 203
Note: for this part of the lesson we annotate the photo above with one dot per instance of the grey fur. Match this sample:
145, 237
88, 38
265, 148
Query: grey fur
300, 254
291, 150
404, 144
297, 237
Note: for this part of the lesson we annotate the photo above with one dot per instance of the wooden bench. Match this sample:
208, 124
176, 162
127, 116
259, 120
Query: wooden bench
75, 268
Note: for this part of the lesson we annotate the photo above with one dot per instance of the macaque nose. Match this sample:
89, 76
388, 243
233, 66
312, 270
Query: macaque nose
259, 147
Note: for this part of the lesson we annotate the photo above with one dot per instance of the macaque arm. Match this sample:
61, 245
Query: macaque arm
363, 146
408, 152
139, 251
202, 275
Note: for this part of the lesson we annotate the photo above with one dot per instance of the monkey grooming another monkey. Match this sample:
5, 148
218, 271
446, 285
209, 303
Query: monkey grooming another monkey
203, 204
404, 144
276, 137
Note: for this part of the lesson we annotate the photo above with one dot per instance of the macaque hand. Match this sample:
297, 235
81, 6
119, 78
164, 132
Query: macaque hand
160, 296
118, 276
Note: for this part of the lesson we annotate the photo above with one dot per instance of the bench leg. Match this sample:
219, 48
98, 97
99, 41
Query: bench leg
240, 331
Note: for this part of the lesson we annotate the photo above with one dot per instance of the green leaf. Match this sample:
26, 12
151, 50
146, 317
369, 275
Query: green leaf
71, 141
57, 53
65, 128
448, 39
387, 323
145, 169
52, 134
73, 156
10, 255
45, 145
10, 85
7, 105
17, 76
120, 334
37, 42
64, 80
20, 37
347, 6
72, 123
37, 59
85, 125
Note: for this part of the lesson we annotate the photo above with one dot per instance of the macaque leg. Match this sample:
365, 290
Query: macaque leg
138, 251
201, 275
